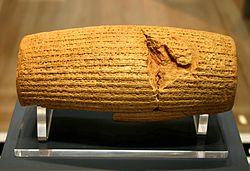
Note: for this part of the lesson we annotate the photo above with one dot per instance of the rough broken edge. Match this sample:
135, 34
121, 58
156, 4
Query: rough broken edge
160, 57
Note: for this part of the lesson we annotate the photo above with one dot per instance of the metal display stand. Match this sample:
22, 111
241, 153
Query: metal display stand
72, 135
44, 118
81, 130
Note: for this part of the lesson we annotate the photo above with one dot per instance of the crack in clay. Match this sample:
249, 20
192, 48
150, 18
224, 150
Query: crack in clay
164, 65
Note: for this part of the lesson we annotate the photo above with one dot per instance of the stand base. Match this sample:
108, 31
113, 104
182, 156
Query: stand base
44, 117
94, 134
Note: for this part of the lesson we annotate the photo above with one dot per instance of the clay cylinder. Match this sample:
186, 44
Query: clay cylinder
140, 73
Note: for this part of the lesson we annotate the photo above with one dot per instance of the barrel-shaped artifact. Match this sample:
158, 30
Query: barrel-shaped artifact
139, 73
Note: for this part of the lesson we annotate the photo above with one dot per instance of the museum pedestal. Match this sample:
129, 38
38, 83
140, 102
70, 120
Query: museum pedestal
82, 130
